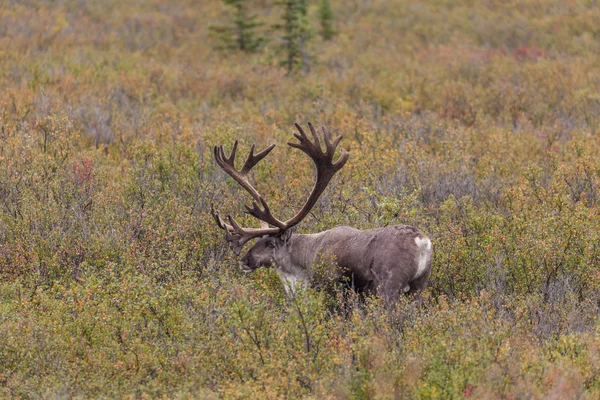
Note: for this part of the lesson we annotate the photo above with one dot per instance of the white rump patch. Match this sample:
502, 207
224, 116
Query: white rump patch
406, 289
424, 243
424, 255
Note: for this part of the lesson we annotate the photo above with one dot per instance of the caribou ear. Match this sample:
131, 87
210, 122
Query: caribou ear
285, 236
235, 247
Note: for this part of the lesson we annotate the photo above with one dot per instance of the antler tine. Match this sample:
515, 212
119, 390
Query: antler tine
323, 161
231, 158
234, 224
315, 136
329, 147
252, 159
336, 141
220, 223
332, 146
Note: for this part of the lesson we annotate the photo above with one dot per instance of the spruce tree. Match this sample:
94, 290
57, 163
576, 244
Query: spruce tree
242, 34
296, 32
326, 18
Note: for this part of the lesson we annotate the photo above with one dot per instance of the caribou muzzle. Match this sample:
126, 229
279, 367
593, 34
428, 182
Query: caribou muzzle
246, 264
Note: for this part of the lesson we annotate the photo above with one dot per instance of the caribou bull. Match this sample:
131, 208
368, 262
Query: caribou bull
387, 261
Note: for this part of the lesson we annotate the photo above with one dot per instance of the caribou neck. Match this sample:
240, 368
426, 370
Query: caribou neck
299, 254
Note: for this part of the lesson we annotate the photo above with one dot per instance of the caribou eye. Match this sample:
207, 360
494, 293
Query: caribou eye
271, 244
